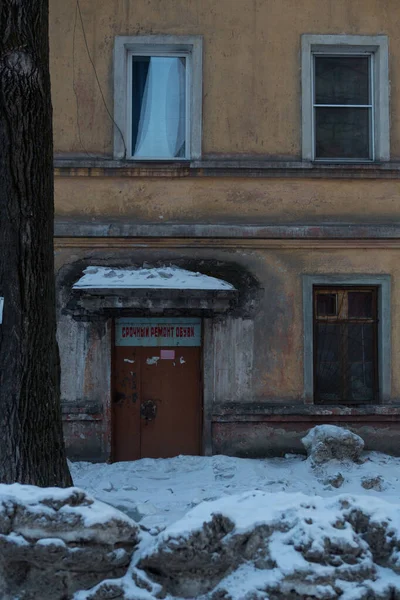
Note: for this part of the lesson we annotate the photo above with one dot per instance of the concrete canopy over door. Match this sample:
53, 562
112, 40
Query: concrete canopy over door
157, 411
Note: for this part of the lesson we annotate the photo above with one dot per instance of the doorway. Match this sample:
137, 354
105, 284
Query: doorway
157, 392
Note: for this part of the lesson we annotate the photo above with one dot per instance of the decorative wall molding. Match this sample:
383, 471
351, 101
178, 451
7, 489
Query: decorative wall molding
258, 167
116, 232
252, 244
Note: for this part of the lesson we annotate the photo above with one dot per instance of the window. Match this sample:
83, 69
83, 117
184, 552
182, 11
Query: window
345, 345
343, 107
345, 98
157, 106
157, 97
347, 339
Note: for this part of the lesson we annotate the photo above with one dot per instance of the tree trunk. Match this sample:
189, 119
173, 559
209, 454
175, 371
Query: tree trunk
31, 440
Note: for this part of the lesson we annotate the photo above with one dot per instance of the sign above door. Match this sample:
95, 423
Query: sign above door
157, 331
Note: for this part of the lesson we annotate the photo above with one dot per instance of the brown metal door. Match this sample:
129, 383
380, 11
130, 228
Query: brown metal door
126, 403
156, 402
171, 397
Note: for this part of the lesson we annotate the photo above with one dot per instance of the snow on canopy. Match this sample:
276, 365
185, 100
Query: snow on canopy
172, 278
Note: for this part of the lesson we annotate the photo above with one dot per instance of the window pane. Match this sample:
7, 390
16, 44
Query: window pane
158, 107
328, 341
360, 342
342, 80
342, 133
360, 382
360, 357
360, 304
327, 364
326, 305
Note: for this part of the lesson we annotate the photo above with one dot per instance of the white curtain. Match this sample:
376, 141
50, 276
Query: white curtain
161, 131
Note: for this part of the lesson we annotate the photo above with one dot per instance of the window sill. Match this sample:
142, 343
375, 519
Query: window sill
224, 167
350, 161
155, 161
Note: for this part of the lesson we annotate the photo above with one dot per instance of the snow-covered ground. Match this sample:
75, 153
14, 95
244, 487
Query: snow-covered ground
223, 527
157, 492
215, 527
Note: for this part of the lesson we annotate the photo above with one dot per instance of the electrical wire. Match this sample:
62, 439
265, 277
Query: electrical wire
78, 11
74, 86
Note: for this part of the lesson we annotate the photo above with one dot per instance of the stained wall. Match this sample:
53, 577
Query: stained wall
251, 100
251, 173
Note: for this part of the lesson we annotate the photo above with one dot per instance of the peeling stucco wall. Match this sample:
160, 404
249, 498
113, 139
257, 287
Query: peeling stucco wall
85, 356
232, 360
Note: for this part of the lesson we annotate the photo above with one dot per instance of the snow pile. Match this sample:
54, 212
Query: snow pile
171, 278
327, 442
282, 545
272, 546
54, 542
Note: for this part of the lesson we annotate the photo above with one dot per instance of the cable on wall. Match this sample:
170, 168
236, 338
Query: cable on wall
78, 12
74, 86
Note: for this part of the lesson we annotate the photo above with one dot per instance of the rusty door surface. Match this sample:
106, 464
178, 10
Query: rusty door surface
126, 404
157, 410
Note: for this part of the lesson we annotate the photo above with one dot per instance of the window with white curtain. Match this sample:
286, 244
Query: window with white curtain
157, 97
157, 106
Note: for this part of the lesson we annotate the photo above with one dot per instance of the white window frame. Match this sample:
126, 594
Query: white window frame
348, 45
190, 47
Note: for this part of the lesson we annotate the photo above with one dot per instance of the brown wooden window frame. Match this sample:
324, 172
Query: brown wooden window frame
338, 313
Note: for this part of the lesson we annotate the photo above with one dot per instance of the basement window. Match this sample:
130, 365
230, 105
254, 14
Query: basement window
345, 345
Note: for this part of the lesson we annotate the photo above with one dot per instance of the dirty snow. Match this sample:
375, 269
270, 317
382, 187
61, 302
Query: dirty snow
172, 278
41, 500
53, 540
311, 546
325, 442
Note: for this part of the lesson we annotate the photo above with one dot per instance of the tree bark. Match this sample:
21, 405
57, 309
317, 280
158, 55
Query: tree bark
31, 439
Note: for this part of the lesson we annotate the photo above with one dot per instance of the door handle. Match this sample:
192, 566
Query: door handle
148, 410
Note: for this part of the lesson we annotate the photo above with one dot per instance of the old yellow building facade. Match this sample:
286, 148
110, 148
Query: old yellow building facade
256, 142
